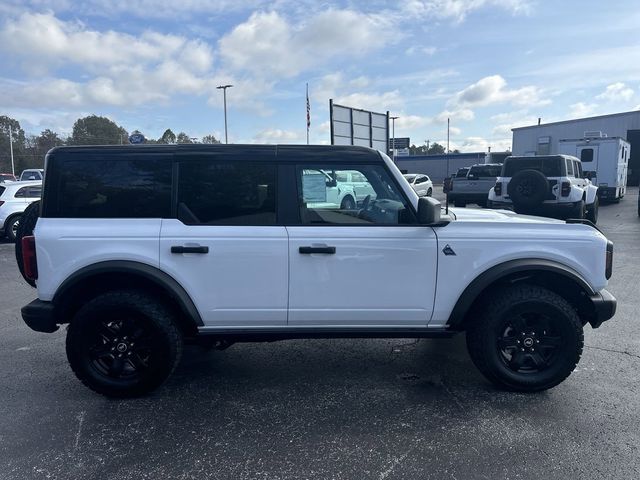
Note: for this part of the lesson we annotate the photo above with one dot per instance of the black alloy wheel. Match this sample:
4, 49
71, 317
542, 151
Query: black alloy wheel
123, 343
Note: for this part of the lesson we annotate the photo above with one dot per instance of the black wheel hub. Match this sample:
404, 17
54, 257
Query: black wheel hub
529, 343
121, 349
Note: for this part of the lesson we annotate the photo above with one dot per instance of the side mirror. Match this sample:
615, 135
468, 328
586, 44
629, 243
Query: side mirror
428, 210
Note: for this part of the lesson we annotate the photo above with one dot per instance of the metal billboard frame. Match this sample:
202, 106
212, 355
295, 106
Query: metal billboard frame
352, 137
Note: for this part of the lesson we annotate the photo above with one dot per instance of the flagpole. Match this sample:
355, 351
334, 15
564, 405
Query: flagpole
308, 114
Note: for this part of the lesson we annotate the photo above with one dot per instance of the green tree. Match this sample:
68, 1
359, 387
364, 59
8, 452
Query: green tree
210, 139
95, 130
19, 140
47, 140
167, 137
435, 149
183, 138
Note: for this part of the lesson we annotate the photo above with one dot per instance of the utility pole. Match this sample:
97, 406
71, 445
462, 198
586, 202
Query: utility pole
13, 167
224, 94
448, 150
393, 135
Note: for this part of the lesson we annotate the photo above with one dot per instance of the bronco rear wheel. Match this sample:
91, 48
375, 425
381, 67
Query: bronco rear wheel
123, 344
528, 339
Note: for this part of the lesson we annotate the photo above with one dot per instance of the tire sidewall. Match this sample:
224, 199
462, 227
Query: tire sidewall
11, 236
80, 337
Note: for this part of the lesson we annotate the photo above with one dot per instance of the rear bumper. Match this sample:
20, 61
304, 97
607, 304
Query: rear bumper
40, 316
604, 305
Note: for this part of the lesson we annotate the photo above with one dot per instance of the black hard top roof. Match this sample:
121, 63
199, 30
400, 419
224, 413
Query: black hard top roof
297, 152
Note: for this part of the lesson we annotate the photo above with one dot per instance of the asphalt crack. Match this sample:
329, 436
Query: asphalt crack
623, 352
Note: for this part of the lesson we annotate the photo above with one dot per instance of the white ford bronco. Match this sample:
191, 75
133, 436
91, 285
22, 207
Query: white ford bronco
142, 248
551, 185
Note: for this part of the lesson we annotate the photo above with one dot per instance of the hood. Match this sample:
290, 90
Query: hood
486, 215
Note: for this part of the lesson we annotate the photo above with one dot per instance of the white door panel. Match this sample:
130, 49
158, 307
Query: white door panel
241, 281
379, 275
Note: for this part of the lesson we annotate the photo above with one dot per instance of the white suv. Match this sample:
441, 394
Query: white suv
15, 197
140, 249
421, 184
545, 185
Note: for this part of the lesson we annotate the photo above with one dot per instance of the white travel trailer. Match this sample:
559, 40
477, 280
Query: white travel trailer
605, 161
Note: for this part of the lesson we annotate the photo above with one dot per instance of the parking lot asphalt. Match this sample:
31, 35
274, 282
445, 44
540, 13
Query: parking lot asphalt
328, 409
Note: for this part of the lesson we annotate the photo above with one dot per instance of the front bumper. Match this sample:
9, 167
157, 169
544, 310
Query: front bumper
604, 305
40, 316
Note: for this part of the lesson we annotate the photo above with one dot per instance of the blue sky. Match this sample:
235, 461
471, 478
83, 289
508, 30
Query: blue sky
489, 65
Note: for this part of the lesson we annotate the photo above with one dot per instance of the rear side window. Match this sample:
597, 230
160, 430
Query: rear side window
569, 168
29, 192
586, 155
226, 193
112, 188
2, 189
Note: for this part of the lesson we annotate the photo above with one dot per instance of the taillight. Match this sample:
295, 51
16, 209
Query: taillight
497, 189
566, 189
29, 261
609, 263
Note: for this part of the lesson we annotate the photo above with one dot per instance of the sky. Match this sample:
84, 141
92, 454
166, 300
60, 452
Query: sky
488, 65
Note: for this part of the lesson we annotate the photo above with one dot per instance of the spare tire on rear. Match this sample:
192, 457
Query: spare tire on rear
25, 228
528, 189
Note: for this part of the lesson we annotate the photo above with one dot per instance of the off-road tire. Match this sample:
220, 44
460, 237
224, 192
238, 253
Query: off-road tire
592, 211
485, 336
160, 337
528, 189
348, 203
26, 227
429, 192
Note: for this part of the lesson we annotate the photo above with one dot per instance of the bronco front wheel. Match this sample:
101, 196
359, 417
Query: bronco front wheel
528, 339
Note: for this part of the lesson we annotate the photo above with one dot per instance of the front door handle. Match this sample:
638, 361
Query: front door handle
189, 249
323, 249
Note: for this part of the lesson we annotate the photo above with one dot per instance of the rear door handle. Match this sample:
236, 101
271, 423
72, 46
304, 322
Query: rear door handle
323, 249
189, 249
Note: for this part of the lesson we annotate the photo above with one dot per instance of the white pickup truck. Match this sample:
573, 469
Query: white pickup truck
140, 249
475, 186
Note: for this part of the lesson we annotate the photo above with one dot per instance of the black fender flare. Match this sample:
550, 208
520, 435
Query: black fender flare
503, 270
148, 272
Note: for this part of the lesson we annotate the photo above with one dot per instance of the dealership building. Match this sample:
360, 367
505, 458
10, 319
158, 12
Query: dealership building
544, 139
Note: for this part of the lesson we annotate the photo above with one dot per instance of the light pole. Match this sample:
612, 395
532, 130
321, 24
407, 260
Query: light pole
224, 94
393, 136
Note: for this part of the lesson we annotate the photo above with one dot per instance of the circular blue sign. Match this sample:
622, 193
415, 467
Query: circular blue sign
136, 138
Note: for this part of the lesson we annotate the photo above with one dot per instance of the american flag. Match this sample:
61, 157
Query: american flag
308, 109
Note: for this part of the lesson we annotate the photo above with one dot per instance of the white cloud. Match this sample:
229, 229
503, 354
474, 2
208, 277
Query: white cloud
493, 89
411, 121
457, 10
481, 144
616, 92
414, 49
276, 135
267, 44
456, 115
378, 102
581, 109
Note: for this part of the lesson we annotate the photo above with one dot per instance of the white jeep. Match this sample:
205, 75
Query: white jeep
142, 248
550, 185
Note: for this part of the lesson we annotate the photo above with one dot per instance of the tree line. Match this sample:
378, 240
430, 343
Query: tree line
29, 150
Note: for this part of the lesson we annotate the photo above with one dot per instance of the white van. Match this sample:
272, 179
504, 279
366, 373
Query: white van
605, 162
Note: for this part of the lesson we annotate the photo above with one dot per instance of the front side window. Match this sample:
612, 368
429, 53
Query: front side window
227, 193
578, 169
377, 200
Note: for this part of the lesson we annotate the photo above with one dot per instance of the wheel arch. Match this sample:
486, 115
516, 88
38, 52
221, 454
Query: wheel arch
546, 273
107, 276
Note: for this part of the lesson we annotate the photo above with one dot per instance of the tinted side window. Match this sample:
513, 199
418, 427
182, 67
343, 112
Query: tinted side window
226, 193
577, 169
569, 167
112, 188
586, 155
378, 201
21, 193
